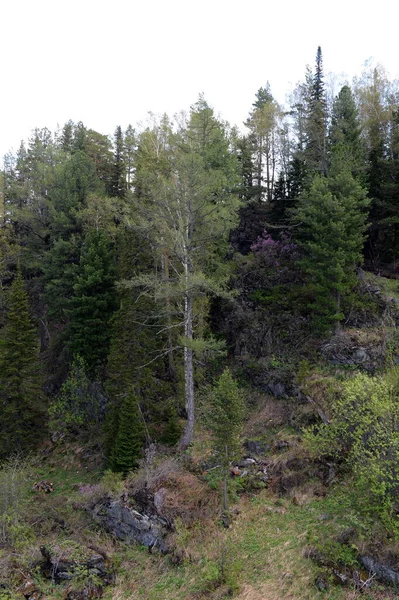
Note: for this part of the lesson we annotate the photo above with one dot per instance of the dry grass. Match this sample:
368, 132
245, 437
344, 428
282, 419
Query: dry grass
270, 412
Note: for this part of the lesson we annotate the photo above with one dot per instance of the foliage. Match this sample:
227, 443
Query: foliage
14, 474
228, 409
80, 403
332, 222
364, 434
20, 396
129, 438
93, 302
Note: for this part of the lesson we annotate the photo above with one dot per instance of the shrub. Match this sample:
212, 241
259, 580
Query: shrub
364, 435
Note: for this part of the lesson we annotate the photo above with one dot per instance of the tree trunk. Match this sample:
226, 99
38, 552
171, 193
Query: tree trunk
188, 434
165, 273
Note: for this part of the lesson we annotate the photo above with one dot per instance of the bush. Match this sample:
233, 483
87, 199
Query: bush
80, 402
364, 435
14, 486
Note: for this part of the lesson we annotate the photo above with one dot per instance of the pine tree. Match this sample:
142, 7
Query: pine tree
129, 437
22, 412
227, 420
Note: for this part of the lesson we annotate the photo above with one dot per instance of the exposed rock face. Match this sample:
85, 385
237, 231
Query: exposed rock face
382, 572
61, 565
129, 525
256, 447
360, 348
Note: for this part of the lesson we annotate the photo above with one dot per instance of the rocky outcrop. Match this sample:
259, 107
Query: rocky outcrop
360, 348
128, 524
383, 573
68, 562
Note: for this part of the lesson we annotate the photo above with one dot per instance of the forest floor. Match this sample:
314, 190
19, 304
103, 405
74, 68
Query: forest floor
262, 555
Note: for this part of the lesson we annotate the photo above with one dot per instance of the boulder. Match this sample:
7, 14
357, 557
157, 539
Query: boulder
129, 525
256, 448
383, 573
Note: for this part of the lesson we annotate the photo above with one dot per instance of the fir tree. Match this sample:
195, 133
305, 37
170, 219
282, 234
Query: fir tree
93, 302
345, 130
22, 411
227, 420
129, 437
316, 123
118, 176
332, 218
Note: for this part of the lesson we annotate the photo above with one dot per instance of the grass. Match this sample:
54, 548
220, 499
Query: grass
263, 553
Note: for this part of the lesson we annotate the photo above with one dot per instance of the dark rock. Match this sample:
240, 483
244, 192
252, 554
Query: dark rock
321, 583
129, 525
257, 448
63, 565
346, 535
383, 573
246, 462
278, 390
43, 486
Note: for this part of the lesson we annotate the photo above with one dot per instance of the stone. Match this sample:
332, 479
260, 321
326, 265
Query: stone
321, 583
278, 390
66, 564
256, 447
246, 462
43, 486
383, 573
129, 525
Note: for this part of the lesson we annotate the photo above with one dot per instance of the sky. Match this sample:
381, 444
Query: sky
109, 63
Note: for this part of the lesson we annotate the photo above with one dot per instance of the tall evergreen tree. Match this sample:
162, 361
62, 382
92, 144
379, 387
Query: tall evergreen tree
188, 211
345, 130
129, 438
316, 123
22, 411
332, 223
93, 301
227, 420
118, 177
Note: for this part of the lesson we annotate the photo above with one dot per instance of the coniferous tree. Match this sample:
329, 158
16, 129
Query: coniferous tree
188, 211
332, 219
93, 301
118, 177
22, 411
345, 130
315, 153
129, 439
227, 420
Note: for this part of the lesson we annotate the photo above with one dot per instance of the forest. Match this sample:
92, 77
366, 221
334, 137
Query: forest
179, 299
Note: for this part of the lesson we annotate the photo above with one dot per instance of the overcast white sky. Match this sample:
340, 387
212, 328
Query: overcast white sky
108, 63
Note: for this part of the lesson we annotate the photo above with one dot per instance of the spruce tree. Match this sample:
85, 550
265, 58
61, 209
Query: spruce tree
227, 420
129, 437
332, 223
22, 411
316, 123
118, 175
93, 302
345, 130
